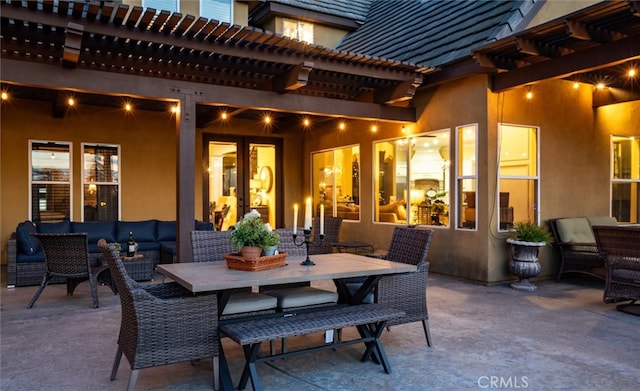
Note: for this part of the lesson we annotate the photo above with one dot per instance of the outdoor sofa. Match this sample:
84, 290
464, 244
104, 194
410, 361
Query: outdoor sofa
25, 265
574, 238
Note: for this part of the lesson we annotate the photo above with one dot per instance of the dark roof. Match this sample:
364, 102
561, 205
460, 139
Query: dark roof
433, 32
352, 9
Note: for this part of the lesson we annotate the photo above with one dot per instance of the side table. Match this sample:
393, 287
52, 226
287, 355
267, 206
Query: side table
354, 246
138, 267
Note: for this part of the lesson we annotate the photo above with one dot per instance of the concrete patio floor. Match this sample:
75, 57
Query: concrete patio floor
560, 337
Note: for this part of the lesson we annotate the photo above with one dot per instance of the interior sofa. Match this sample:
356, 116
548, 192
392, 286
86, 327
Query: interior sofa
25, 265
574, 238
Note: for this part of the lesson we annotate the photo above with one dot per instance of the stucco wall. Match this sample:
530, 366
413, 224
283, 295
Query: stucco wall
147, 157
574, 164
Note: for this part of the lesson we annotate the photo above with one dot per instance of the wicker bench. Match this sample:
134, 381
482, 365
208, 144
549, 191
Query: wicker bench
370, 319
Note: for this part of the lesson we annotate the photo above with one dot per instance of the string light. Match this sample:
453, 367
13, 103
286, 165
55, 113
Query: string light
631, 73
267, 119
175, 109
374, 128
4, 95
306, 122
224, 115
127, 107
342, 125
576, 85
600, 86
529, 93
71, 102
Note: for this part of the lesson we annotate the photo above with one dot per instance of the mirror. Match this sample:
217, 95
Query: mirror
266, 177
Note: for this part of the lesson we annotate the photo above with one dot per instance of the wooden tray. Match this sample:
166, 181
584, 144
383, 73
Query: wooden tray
235, 261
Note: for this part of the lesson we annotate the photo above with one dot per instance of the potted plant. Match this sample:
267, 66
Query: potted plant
270, 242
526, 240
249, 235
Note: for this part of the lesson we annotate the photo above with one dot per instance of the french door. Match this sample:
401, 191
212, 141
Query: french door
243, 173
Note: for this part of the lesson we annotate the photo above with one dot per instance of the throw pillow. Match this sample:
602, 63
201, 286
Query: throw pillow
28, 243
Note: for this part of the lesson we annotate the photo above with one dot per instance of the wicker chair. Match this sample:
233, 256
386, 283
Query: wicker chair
211, 246
620, 249
405, 291
161, 323
332, 227
67, 256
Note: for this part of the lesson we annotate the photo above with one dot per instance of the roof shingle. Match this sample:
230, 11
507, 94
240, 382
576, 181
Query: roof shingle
432, 32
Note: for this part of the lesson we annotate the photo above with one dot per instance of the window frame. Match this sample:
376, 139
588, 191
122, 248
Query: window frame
535, 178
217, 18
459, 177
84, 182
412, 214
315, 195
32, 182
621, 181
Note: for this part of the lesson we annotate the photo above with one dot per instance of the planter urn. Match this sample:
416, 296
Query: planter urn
524, 263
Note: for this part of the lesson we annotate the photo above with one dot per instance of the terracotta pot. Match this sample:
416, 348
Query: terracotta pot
249, 252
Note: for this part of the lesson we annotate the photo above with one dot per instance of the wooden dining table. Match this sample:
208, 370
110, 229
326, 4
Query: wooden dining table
215, 276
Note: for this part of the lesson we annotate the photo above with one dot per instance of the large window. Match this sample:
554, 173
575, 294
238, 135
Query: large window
101, 182
625, 179
517, 198
411, 179
50, 181
336, 181
467, 175
297, 30
219, 10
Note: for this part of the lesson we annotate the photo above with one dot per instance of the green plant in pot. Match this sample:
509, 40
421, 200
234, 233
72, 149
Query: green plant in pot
249, 235
526, 240
270, 242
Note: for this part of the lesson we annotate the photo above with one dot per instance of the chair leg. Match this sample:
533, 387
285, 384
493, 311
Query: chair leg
427, 333
93, 283
216, 372
132, 380
116, 363
72, 283
43, 284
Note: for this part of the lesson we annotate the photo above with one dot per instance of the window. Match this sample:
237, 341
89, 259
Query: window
101, 182
412, 179
467, 175
336, 181
168, 5
297, 30
517, 198
50, 181
219, 10
625, 179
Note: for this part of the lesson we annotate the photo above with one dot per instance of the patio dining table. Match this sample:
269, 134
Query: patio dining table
216, 276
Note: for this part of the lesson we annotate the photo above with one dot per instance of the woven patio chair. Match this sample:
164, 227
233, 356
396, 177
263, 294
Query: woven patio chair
620, 249
296, 296
67, 256
161, 323
332, 227
211, 246
407, 291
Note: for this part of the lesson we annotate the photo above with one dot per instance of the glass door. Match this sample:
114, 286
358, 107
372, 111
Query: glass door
242, 174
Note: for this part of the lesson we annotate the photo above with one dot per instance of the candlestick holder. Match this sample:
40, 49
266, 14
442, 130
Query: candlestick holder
307, 242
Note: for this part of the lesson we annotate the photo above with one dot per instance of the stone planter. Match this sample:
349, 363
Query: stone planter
268, 251
524, 263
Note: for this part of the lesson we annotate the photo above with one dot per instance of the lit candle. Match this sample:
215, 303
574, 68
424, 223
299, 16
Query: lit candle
321, 219
307, 214
295, 219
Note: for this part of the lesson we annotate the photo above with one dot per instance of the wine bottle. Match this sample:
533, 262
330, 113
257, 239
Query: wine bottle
131, 246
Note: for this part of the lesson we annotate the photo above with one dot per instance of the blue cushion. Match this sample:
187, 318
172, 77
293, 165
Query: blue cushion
203, 226
37, 257
97, 230
166, 231
28, 244
62, 227
143, 231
